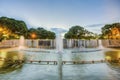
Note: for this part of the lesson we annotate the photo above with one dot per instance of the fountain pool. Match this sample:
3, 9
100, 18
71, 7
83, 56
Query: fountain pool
38, 71
96, 71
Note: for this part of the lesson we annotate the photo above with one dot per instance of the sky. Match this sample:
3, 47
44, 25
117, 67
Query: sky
63, 14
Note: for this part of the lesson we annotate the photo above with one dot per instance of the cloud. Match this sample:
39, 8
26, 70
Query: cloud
58, 30
95, 28
94, 25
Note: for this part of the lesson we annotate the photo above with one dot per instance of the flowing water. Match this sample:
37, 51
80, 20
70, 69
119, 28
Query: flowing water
97, 71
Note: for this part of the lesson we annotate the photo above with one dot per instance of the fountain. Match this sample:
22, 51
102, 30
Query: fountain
59, 48
100, 46
87, 46
59, 44
21, 42
62, 57
82, 46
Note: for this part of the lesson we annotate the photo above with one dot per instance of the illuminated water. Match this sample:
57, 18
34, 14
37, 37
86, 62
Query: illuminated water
99, 71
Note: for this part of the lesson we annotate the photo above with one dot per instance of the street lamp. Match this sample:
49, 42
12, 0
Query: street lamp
33, 36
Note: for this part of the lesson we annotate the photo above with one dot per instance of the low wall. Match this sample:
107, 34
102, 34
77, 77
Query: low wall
67, 43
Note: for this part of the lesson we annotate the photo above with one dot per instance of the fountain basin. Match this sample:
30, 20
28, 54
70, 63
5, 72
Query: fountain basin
86, 50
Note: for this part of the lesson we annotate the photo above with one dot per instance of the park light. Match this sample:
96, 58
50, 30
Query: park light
33, 35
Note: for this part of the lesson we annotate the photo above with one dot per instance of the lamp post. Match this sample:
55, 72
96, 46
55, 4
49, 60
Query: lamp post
33, 36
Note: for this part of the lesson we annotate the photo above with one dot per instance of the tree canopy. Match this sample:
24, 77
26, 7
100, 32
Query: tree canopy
41, 33
111, 31
78, 32
11, 29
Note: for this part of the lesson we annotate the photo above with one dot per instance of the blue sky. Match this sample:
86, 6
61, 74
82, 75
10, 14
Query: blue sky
62, 14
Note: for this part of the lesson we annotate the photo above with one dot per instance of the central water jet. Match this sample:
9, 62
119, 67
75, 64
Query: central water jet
100, 44
59, 48
59, 44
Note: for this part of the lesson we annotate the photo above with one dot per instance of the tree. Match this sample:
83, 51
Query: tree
78, 32
41, 33
16, 27
108, 29
30, 32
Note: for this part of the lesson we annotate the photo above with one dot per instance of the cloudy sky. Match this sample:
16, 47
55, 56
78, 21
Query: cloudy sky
62, 14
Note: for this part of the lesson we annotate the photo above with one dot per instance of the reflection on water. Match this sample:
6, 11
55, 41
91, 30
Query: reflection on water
2, 58
114, 59
101, 71
8, 60
112, 55
60, 66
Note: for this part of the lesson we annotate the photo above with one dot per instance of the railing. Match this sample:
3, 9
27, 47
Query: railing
9, 61
68, 43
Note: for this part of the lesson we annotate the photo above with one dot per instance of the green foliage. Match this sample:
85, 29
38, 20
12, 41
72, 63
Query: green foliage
16, 27
41, 33
78, 32
106, 30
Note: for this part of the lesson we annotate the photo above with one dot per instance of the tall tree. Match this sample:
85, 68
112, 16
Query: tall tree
107, 31
78, 32
16, 27
41, 33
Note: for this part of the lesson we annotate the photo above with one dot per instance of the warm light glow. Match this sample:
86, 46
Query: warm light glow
115, 33
33, 35
108, 57
5, 32
119, 55
1, 29
2, 57
3, 54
